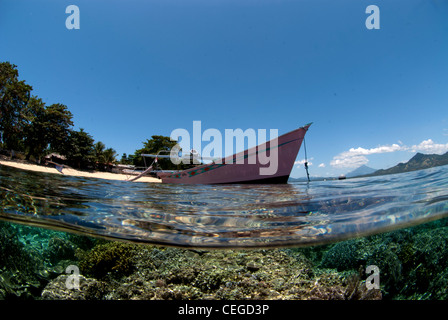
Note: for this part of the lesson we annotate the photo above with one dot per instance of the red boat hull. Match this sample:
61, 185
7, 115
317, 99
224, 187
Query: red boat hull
253, 168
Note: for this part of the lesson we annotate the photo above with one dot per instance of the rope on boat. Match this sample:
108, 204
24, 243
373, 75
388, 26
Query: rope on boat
306, 160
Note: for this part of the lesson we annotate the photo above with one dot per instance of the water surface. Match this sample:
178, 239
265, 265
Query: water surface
224, 216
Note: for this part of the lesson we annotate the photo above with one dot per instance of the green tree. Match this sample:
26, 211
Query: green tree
47, 128
110, 156
80, 149
98, 151
58, 124
102, 156
154, 146
124, 159
35, 131
14, 96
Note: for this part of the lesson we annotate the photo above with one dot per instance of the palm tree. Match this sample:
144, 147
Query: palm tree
110, 156
98, 149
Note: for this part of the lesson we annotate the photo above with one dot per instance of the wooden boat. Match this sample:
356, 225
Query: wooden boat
233, 170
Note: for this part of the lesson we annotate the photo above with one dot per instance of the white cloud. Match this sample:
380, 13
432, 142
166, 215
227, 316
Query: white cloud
380, 149
357, 157
429, 146
345, 160
322, 165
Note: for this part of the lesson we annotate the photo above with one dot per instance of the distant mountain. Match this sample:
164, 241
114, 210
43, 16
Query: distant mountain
361, 171
417, 162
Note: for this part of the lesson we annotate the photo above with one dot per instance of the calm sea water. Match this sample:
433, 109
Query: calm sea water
224, 216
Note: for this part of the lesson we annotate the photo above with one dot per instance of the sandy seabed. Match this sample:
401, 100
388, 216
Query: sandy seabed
76, 173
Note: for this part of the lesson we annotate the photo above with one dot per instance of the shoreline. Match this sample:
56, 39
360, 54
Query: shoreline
73, 172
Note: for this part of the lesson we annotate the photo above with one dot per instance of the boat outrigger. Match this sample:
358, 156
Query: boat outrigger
248, 167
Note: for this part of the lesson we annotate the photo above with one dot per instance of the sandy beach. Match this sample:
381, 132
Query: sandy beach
72, 172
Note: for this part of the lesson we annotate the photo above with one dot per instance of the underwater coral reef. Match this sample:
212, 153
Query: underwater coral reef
412, 264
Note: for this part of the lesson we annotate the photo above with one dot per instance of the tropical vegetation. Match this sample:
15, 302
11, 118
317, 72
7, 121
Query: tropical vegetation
30, 127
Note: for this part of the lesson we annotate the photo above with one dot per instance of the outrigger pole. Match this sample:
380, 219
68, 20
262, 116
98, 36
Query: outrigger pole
156, 156
141, 174
149, 169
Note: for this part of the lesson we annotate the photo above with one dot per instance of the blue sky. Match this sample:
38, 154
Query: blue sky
140, 68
